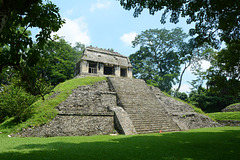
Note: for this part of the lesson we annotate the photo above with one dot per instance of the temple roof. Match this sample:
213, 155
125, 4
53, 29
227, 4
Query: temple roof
105, 56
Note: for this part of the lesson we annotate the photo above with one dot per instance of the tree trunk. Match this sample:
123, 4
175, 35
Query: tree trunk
181, 76
3, 20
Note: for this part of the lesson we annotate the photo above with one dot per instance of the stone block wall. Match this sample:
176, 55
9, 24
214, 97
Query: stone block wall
72, 125
85, 112
183, 114
229, 122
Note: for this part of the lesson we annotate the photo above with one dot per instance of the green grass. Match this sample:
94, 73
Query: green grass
209, 143
233, 104
44, 110
225, 115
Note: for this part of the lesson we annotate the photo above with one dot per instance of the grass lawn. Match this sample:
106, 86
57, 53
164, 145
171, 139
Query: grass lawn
225, 115
208, 143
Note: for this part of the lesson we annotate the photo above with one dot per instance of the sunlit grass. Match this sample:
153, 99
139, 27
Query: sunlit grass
225, 115
207, 143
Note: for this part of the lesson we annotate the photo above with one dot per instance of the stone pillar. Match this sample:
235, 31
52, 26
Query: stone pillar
117, 71
129, 72
84, 66
100, 68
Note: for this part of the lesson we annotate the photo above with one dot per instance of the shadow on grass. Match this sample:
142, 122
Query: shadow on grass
178, 145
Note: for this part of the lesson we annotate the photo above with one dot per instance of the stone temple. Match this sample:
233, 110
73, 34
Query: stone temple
96, 61
120, 104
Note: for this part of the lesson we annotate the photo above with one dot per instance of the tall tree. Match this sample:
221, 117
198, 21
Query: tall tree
16, 45
56, 64
157, 60
223, 81
8, 6
224, 74
212, 18
192, 57
59, 59
16, 18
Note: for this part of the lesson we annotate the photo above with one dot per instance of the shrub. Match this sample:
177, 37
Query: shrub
15, 102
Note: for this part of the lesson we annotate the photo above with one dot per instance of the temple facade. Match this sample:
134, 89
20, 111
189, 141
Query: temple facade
96, 61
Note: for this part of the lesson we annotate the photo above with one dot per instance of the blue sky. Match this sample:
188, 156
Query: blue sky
105, 24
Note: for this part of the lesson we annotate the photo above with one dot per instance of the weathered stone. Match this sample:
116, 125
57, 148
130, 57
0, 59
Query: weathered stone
84, 112
232, 108
123, 104
182, 114
96, 61
123, 122
147, 113
229, 122
72, 126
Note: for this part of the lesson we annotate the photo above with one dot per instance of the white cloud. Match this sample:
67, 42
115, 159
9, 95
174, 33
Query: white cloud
75, 31
184, 88
68, 12
100, 4
127, 38
205, 64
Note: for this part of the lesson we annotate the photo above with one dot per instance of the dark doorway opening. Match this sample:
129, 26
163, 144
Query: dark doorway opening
92, 67
123, 72
108, 70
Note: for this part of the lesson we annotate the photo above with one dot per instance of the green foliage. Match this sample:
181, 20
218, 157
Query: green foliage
181, 95
59, 59
206, 143
225, 115
223, 85
44, 110
224, 75
212, 19
56, 64
15, 102
16, 45
208, 101
158, 61
15, 35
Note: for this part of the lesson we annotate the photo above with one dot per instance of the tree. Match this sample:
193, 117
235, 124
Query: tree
16, 45
15, 41
223, 84
59, 59
157, 60
224, 75
192, 56
212, 18
181, 95
8, 6
56, 64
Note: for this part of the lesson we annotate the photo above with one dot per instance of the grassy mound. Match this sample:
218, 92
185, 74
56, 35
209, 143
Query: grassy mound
225, 115
44, 110
206, 143
233, 104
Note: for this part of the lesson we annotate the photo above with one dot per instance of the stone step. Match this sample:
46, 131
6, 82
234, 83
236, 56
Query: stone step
143, 107
154, 128
154, 131
155, 125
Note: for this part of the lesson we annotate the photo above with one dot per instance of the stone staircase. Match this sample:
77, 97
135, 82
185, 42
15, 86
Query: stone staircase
145, 110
